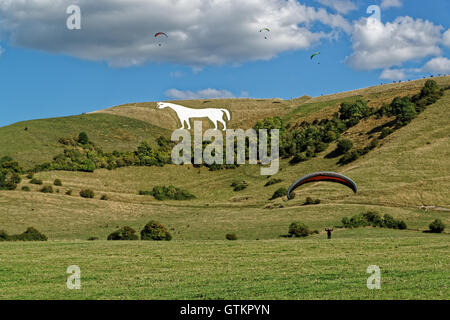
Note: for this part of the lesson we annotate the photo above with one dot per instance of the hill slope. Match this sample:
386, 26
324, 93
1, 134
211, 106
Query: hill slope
409, 170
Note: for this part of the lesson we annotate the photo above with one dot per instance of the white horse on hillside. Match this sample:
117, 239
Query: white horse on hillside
185, 114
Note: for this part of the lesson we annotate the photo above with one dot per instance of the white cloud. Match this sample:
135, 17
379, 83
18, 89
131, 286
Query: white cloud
440, 64
446, 38
377, 45
393, 74
341, 6
201, 32
385, 4
201, 94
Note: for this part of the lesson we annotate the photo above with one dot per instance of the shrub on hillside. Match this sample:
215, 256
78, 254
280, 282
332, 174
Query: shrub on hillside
155, 231
57, 182
231, 236
385, 132
343, 146
272, 182
31, 234
281, 192
93, 238
168, 193
354, 110
36, 181
47, 189
125, 233
104, 197
239, 185
26, 188
30, 175
311, 201
69, 192
437, 226
298, 229
83, 138
87, 193
373, 219
349, 157
3, 235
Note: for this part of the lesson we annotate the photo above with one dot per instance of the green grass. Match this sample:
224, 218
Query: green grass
413, 266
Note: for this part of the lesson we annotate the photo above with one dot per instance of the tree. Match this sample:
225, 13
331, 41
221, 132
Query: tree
356, 110
437, 226
344, 146
83, 138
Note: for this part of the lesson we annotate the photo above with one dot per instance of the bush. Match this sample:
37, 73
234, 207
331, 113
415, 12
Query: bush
69, 192
155, 231
343, 146
26, 188
31, 234
231, 236
437, 226
104, 197
92, 238
239, 185
3, 235
401, 225
87, 193
57, 183
125, 233
385, 132
298, 229
83, 138
389, 221
373, 219
281, 192
356, 110
30, 175
168, 193
36, 181
310, 201
349, 157
47, 189
272, 181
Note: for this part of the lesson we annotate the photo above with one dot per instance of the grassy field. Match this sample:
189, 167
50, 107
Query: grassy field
413, 266
408, 176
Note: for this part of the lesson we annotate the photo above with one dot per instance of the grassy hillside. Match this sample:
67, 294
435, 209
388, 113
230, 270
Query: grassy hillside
408, 176
36, 141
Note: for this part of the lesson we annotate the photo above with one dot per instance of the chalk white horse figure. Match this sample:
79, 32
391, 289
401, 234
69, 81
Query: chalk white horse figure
185, 114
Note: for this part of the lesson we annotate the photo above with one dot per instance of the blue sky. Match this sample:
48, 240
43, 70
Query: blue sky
50, 71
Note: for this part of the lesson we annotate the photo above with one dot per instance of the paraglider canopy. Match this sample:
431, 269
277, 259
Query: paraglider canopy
315, 54
322, 176
161, 34
265, 29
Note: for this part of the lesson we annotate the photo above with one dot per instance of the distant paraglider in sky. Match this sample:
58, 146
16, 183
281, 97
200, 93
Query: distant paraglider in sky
322, 176
315, 54
266, 32
161, 36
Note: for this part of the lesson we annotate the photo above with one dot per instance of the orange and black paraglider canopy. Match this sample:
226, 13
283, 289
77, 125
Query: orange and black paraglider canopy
323, 176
